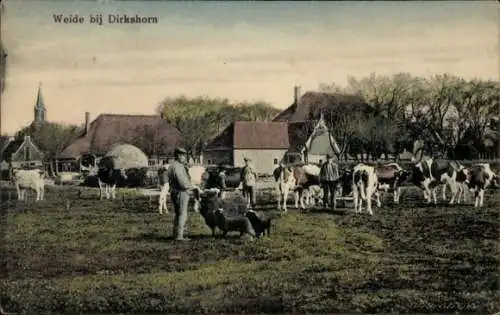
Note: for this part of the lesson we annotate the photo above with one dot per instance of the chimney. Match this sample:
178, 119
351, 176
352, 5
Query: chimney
87, 122
296, 95
26, 138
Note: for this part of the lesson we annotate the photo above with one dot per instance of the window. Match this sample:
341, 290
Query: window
27, 154
320, 161
275, 161
209, 162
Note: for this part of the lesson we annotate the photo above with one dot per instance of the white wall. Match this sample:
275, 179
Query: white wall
262, 159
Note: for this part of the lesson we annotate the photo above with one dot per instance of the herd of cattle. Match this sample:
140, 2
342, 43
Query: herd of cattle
362, 182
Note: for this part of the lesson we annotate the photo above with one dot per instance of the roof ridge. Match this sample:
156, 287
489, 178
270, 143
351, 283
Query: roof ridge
128, 115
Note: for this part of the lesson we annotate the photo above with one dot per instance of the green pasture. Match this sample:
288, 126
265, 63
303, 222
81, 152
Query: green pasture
73, 253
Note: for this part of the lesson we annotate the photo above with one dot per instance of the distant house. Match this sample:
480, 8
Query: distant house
21, 154
310, 141
265, 143
152, 134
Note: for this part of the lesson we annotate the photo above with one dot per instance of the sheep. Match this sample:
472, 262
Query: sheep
237, 224
260, 222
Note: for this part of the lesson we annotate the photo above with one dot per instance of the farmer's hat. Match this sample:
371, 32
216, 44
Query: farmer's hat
179, 151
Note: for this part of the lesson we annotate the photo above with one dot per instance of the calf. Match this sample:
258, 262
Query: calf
296, 178
429, 173
481, 177
390, 178
28, 179
364, 187
461, 181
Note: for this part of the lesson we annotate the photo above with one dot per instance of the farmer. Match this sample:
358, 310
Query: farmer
328, 177
249, 178
180, 185
221, 181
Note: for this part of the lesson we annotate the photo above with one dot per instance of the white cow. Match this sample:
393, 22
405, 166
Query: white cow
29, 179
364, 187
198, 176
481, 177
66, 177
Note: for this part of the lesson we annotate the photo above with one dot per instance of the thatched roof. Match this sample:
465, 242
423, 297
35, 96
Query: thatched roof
311, 103
128, 156
143, 131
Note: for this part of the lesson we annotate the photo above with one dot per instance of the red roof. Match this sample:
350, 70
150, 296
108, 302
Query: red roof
252, 135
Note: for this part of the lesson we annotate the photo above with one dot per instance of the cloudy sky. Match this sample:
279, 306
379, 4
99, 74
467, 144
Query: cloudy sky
241, 51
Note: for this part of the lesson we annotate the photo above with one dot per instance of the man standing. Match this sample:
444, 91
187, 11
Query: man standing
328, 176
180, 185
249, 178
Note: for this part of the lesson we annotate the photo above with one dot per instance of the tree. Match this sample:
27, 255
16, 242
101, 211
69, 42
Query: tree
200, 119
50, 138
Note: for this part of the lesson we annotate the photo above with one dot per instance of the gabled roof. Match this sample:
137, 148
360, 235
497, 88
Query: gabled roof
109, 129
14, 146
310, 102
252, 135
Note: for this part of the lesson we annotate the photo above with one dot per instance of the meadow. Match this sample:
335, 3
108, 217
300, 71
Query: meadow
73, 253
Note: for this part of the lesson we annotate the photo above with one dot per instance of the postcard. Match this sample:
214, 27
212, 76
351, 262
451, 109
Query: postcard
249, 157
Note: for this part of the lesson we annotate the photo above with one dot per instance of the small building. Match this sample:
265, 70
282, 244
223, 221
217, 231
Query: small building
22, 153
151, 134
265, 143
310, 142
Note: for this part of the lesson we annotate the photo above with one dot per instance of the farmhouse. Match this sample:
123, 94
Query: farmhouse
21, 153
152, 134
264, 142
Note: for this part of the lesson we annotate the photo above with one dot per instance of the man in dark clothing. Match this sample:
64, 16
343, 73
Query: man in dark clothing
180, 185
328, 176
249, 179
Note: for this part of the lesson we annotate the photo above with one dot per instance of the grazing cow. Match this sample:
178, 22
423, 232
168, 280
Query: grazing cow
390, 178
197, 174
108, 177
29, 179
429, 173
364, 187
481, 177
296, 178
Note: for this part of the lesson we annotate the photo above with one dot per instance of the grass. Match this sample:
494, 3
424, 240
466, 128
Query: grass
103, 256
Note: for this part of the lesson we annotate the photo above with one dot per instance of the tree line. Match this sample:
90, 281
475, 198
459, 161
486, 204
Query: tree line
453, 117
378, 115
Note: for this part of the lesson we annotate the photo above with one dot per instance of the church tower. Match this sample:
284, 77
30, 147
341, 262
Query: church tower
40, 111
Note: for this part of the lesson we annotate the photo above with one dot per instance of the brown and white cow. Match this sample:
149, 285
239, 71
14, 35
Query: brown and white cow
430, 173
390, 178
364, 187
294, 178
481, 177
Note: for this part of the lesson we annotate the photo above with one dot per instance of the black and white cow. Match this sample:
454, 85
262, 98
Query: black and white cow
108, 177
430, 173
390, 178
481, 177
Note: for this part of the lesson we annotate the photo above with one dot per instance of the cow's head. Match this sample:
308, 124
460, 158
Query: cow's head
403, 176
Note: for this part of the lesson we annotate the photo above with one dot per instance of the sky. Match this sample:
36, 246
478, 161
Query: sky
243, 51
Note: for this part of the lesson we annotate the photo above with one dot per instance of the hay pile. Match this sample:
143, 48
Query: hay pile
128, 156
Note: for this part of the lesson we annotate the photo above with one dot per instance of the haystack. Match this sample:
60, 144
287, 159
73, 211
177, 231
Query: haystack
128, 156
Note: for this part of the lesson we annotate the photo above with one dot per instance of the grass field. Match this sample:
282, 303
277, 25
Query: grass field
103, 256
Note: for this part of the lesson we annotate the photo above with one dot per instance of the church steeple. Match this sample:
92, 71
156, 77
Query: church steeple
40, 110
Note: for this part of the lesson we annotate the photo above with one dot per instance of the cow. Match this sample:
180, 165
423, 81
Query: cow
197, 174
481, 177
462, 183
297, 178
108, 177
29, 179
429, 173
390, 178
232, 178
364, 186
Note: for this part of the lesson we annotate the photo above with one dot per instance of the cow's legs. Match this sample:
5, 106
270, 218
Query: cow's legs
369, 202
19, 194
377, 196
196, 206
112, 189
356, 200
278, 197
481, 197
454, 191
37, 194
433, 194
444, 191
285, 198
42, 192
